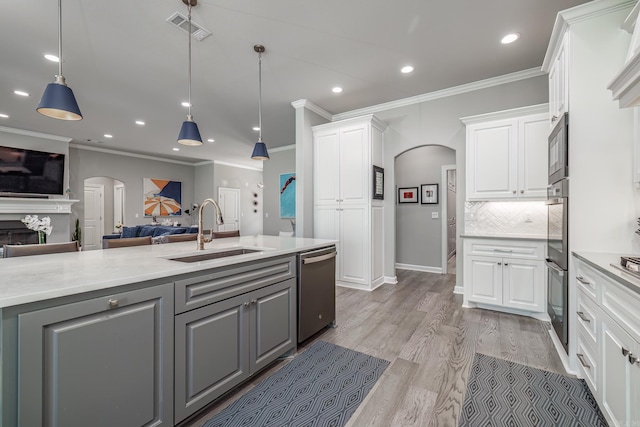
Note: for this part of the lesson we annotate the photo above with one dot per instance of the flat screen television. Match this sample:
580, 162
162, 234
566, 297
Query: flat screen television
30, 173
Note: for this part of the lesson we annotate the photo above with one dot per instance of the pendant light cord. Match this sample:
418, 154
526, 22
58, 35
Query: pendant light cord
189, 7
59, 37
260, 95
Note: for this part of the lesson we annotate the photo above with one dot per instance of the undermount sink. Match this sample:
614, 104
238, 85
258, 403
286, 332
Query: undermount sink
214, 255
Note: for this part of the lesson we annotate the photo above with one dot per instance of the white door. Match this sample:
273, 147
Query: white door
354, 242
229, 201
485, 279
93, 221
354, 165
326, 225
326, 177
533, 153
118, 205
522, 282
616, 380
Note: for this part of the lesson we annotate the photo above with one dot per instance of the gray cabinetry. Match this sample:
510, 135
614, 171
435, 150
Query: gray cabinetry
219, 345
102, 362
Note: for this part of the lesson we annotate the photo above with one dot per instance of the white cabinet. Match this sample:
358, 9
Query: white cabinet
507, 154
608, 343
506, 274
559, 82
344, 210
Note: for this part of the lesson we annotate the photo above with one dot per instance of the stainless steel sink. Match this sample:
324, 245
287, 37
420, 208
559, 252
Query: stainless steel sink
214, 255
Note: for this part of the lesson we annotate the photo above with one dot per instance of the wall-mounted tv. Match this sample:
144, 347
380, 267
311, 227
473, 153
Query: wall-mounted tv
29, 172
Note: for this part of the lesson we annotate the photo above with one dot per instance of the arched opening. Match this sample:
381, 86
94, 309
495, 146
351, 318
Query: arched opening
425, 211
104, 207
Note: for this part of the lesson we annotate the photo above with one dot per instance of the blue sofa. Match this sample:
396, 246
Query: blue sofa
151, 231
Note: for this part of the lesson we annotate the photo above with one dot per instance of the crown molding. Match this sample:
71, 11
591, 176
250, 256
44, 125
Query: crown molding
235, 165
507, 114
283, 148
456, 90
34, 134
304, 103
127, 154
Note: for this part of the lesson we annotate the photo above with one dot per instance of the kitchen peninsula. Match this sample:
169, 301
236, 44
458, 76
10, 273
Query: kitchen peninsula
143, 335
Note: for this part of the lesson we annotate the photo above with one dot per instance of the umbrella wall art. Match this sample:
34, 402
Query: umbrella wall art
162, 197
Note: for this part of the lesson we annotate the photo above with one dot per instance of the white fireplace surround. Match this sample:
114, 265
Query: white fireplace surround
16, 205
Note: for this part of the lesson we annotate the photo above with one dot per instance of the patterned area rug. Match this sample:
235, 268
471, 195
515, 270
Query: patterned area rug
503, 393
322, 386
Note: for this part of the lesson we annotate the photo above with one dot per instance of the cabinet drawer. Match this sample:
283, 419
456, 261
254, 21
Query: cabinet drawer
505, 248
588, 362
587, 317
200, 290
622, 304
588, 280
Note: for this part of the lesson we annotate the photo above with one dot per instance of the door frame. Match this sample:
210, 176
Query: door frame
444, 219
100, 223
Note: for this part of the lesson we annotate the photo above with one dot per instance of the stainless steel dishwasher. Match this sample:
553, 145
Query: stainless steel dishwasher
316, 291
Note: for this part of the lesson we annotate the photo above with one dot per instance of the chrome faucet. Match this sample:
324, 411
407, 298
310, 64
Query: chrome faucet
219, 221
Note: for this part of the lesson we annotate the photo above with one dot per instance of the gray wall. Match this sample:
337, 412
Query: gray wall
247, 181
418, 236
204, 189
130, 170
438, 121
280, 162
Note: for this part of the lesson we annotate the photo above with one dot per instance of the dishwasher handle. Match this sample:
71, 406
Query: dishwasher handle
320, 258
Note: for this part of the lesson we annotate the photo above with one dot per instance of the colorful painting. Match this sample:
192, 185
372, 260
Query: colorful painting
288, 195
162, 197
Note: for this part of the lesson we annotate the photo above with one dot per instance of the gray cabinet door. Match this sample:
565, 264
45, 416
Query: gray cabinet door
211, 353
273, 323
102, 362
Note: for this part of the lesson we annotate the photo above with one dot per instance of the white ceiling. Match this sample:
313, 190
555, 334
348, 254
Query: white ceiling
125, 62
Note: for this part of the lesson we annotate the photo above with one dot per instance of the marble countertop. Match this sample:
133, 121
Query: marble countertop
505, 236
40, 277
602, 262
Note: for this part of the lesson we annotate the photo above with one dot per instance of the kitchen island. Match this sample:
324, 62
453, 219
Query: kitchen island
144, 335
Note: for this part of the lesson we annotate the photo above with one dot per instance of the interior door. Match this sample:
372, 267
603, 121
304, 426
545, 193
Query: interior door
229, 201
118, 205
93, 221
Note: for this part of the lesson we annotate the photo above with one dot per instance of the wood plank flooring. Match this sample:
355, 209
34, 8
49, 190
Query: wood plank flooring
420, 327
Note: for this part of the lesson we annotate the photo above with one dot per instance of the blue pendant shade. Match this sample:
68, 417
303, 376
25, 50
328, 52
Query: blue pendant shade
189, 133
58, 102
260, 151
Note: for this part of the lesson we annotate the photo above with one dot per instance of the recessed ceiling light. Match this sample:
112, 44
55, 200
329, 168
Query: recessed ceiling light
336, 89
510, 38
107, 135
186, 104
51, 57
406, 69
211, 140
140, 123
256, 128
21, 92
176, 149
4, 116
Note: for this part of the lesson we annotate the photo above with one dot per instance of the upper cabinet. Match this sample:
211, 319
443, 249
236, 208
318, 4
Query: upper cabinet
559, 82
507, 154
625, 86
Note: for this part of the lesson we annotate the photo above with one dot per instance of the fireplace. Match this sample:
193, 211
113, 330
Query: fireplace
16, 233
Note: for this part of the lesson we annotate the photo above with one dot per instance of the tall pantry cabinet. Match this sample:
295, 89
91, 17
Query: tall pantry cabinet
344, 209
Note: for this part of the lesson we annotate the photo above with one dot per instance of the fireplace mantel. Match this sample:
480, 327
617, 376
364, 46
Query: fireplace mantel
13, 205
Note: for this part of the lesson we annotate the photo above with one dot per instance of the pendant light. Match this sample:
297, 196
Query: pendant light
260, 149
57, 100
189, 133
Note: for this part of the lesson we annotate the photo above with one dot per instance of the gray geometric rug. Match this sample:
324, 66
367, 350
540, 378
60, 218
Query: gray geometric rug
503, 393
322, 386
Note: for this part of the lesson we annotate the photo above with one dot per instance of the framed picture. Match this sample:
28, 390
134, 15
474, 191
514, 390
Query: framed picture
429, 194
162, 197
378, 183
288, 195
408, 195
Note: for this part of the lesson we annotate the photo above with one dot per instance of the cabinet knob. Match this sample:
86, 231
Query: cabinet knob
506, 263
625, 351
254, 301
514, 191
499, 263
633, 359
113, 303
521, 191
554, 118
246, 304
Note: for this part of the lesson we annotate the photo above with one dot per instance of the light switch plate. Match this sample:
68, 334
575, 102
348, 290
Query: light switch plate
434, 215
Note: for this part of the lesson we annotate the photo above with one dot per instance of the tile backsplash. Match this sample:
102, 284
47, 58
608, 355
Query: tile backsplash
528, 218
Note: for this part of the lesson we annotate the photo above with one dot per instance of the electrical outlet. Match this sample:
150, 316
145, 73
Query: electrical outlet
435, 215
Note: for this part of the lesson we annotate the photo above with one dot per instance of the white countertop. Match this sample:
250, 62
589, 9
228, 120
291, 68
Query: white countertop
505, 236
602, 262
40, 277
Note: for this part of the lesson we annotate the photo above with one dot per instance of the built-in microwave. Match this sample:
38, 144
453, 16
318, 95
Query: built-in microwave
559, 150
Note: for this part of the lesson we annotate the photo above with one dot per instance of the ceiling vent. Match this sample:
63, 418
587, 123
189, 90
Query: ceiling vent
181, 21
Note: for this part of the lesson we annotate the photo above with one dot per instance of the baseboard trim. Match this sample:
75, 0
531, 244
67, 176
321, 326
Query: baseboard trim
423, 268
392, 280
353, 286
458, 290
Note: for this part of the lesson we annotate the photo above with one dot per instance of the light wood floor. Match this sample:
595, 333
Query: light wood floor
420, 327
